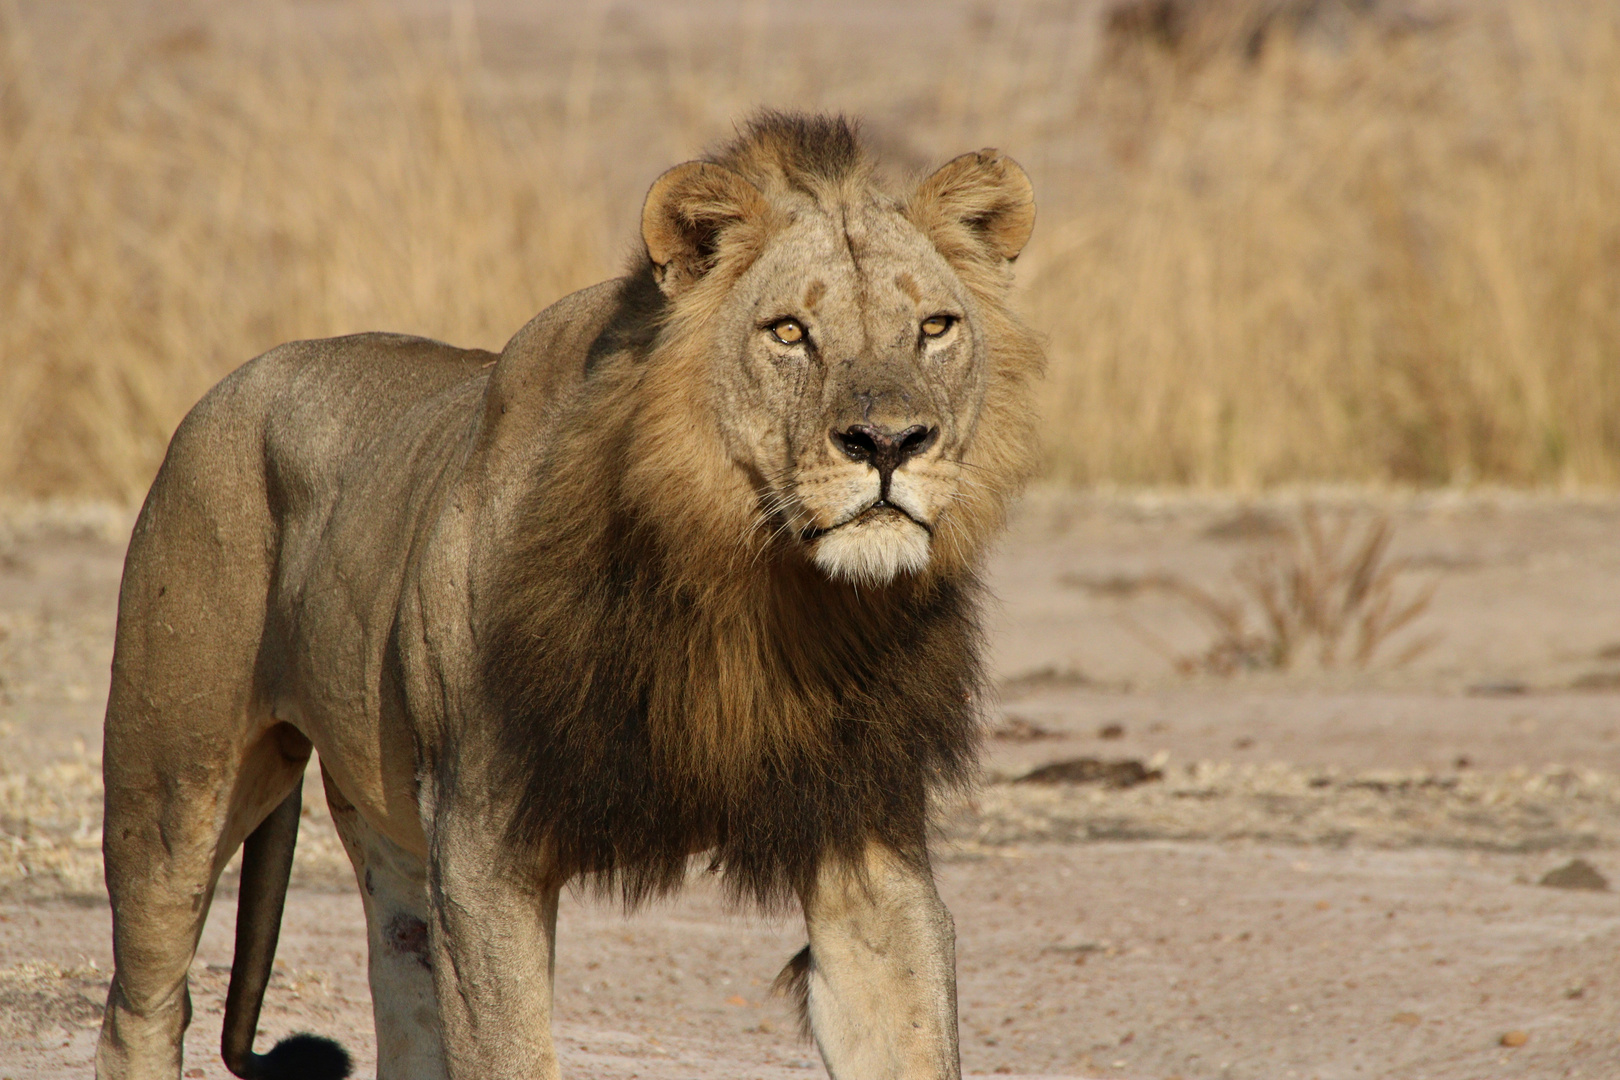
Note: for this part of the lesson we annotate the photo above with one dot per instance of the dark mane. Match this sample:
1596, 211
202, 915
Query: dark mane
666, 676
775, 724
636, 318
801, 150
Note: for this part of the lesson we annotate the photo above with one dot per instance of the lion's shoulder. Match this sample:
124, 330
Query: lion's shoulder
555, 348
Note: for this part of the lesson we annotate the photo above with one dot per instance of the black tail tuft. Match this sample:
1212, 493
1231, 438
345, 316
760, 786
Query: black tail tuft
303, 1057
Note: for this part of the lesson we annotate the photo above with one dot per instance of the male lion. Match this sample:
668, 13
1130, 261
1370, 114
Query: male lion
689, 567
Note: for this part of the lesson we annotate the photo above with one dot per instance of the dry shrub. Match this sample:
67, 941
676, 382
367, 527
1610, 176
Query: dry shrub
1198, 30
1328, 594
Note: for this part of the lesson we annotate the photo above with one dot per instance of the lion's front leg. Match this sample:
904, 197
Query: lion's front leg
492, 942
882, 972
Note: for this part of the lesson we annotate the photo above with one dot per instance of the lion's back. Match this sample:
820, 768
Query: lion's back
259, 466
337, 412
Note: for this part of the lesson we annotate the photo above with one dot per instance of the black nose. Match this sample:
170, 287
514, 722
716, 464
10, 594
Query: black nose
884, 450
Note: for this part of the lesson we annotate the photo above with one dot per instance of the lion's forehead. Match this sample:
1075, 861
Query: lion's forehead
854, 270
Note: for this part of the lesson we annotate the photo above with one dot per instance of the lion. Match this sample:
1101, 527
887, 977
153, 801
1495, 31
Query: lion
691, 568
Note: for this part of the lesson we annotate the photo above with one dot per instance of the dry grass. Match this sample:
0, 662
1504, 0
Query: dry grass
192, 210
1396, 260
1375, 249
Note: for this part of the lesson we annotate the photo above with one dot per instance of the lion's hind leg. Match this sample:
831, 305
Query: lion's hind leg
393, 889
177, 808
160, 877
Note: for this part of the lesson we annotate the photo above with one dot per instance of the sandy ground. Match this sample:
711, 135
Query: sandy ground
1321, 872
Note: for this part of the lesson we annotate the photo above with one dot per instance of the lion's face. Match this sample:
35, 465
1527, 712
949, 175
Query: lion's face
848, 384
847, 352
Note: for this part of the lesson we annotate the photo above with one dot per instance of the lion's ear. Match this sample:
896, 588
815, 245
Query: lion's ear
987, 193
687, 213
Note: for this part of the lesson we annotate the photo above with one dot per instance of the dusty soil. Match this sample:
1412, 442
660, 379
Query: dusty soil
1325, 871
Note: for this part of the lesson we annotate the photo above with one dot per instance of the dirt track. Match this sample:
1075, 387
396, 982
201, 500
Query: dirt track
1332, 876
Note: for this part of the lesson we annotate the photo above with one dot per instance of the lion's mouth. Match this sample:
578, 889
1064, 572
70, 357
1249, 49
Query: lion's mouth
872, 511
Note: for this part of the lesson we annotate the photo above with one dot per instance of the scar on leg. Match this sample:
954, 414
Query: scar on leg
407, 935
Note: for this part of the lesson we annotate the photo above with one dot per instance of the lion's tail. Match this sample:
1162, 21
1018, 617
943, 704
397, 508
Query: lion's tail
267, 859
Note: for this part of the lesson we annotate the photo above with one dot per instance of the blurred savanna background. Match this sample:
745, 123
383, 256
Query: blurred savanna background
1304, 756
1364, 242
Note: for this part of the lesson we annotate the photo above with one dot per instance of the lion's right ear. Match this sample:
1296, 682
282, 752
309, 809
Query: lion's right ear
688, 213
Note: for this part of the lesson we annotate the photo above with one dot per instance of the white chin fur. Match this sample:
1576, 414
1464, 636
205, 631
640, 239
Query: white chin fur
873, 550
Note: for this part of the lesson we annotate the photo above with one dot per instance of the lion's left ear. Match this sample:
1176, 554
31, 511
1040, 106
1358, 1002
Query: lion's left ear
687, 214
987, 193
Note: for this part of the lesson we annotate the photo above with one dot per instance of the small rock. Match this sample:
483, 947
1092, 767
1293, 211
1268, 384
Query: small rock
1462, 762
1576, 874
1111, 731
1021, 729
1045, 678
1125, 773
1515, 1038
1248, 523
1597, 680
1499, 688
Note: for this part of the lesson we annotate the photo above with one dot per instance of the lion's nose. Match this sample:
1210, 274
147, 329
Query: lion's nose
884, 450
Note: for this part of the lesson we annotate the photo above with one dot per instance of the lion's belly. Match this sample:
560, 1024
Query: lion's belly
370, 759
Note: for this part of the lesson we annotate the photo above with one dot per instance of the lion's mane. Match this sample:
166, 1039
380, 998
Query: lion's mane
667, 676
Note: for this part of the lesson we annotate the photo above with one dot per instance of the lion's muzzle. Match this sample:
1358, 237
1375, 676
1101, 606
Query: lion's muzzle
884, 450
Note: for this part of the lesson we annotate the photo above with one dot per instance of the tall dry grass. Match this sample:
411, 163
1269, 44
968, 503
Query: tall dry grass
1390, 253
192, 210
1396, 260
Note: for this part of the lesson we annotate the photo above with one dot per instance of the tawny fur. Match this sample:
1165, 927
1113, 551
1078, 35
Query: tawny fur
662, 579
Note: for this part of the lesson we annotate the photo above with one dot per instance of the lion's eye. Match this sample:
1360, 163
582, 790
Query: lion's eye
787, 331
935, 325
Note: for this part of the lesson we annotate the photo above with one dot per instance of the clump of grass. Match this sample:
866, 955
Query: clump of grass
1327, 594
